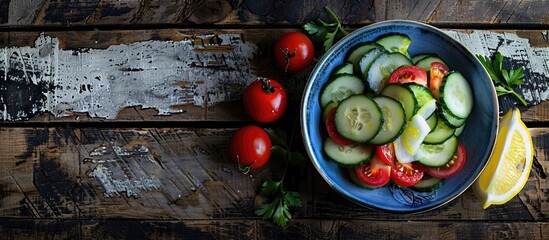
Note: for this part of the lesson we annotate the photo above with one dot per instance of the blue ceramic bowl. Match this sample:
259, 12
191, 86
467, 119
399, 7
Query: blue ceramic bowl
478, 136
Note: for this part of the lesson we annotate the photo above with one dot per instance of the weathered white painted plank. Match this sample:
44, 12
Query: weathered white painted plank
164, 74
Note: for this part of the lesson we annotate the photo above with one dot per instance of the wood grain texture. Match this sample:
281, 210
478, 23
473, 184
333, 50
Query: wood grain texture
184, 174
256, 229
264, 13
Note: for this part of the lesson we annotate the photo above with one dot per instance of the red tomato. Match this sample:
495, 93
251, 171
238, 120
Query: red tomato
250, 147
332, 131
386, 153
452, 168
406, 74
437, 72
374, 173
265, 100
406, 174
294, 52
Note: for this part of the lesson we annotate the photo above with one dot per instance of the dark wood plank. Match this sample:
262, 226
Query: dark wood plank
254, 229
264, 13
182, 173
132, 87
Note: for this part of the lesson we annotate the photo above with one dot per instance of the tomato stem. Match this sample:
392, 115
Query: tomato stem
288, 56
266, 85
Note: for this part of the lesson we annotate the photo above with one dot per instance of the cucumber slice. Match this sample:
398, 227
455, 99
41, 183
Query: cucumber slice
404, 95
382, 67
418, 57
437, 155
440, 133
428, 184
394, 120
395, 43
425, 62
367, 60
358, 118
346, 68
343, 86
421, 93
357, 52
432, 121
459, 130
350, 155
451, 120
456, 95
326, 110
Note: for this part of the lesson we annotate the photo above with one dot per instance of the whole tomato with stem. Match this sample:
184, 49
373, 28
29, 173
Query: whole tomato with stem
294, 52
265, 100
250, 148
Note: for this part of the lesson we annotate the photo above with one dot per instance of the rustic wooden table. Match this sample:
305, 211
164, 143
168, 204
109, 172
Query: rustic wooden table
117, 116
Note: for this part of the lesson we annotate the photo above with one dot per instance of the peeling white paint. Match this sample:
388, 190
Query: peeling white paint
534, 60
113, 187
153, 74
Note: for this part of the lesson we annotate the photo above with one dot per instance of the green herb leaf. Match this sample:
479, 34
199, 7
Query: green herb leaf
504, 79
270, 188
292, 199
326, 33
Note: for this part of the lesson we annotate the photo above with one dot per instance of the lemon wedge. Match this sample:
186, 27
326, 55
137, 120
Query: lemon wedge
509, 166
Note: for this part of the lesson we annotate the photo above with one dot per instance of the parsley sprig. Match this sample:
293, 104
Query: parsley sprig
504, 79
326, 33
282, 201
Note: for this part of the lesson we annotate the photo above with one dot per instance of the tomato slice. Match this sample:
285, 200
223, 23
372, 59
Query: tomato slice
437, 72
386, 153
332, 131
374, 173
452, 168
406, 74
406, 174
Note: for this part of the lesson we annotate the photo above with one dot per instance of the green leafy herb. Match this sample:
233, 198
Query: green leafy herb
504, 79
282, 201
326, 33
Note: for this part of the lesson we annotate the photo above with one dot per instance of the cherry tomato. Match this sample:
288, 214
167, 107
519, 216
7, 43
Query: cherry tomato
374, 173
437, 72
406, 74
332, 131
265, 100
406, 174
293, 52
452, 168
386, 153
250, 147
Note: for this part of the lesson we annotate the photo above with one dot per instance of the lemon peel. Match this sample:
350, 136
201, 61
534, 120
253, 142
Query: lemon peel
509, 166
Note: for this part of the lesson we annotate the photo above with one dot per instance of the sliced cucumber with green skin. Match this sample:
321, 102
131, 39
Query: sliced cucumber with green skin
404, 95
418, 57
459, 130
345, 68
428, 184
432, 121
440, 133
425, 62
395, 42
451, 120
349, 155
326, 110
357, 52
341, 87
456, 95
437, 155
382, 67
358, 118
421, 93
394, 120
366, 61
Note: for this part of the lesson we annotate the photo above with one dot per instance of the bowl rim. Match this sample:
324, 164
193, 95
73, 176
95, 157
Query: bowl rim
343, 41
